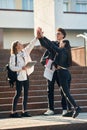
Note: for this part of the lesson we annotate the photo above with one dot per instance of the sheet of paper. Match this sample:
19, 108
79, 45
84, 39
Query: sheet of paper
48, 73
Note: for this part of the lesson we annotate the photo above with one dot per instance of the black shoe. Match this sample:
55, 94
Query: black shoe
68, 114
15, 115
76, 112
25, 114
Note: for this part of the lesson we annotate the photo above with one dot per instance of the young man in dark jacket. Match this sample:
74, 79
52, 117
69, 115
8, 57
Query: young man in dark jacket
61, 34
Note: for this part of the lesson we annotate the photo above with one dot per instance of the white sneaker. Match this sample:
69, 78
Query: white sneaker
49, 112
64, 112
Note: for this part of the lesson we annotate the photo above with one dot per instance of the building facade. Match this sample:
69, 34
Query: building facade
68, 14
20, 17
17, 21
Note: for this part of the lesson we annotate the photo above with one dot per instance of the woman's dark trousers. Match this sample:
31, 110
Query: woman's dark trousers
50, 91
19, 86
64, 76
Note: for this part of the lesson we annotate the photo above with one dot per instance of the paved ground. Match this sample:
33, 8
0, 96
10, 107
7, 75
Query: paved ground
34, 121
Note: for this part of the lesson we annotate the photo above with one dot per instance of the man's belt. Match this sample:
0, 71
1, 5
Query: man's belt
60, 67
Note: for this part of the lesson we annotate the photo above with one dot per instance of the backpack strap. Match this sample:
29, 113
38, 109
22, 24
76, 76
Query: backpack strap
15, 60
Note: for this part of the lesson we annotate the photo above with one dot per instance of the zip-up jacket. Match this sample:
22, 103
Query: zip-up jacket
61, 58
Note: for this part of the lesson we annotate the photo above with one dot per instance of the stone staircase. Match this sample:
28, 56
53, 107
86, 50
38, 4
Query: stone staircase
37, 101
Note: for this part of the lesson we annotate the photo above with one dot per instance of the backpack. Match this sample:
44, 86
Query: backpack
11, 75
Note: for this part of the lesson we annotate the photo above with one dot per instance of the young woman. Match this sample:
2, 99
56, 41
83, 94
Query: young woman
62, 61
23, 72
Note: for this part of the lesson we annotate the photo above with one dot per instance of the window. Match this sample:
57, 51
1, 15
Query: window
27, 4
65, 6
6, 4
81, 7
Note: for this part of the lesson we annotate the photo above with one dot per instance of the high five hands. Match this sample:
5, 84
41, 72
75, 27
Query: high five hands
39, 32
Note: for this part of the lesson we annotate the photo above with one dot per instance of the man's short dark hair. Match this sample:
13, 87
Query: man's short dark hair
62, 31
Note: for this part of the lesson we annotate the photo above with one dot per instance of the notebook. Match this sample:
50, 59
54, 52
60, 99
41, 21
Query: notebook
30, 64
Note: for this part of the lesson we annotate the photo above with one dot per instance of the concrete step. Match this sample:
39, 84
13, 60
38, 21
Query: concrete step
42, 80
39, 105
8, 100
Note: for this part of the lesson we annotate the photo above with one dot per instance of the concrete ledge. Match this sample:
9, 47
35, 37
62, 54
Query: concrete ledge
45, 123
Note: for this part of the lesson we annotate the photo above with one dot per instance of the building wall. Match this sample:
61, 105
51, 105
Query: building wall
15, 24
21, 35
47, 14
73, 23
16, 19
18, 4
25, 35
74, 40
69, 20
1, 38
44, 16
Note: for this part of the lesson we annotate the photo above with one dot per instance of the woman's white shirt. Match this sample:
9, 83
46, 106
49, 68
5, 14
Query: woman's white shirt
23, 57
